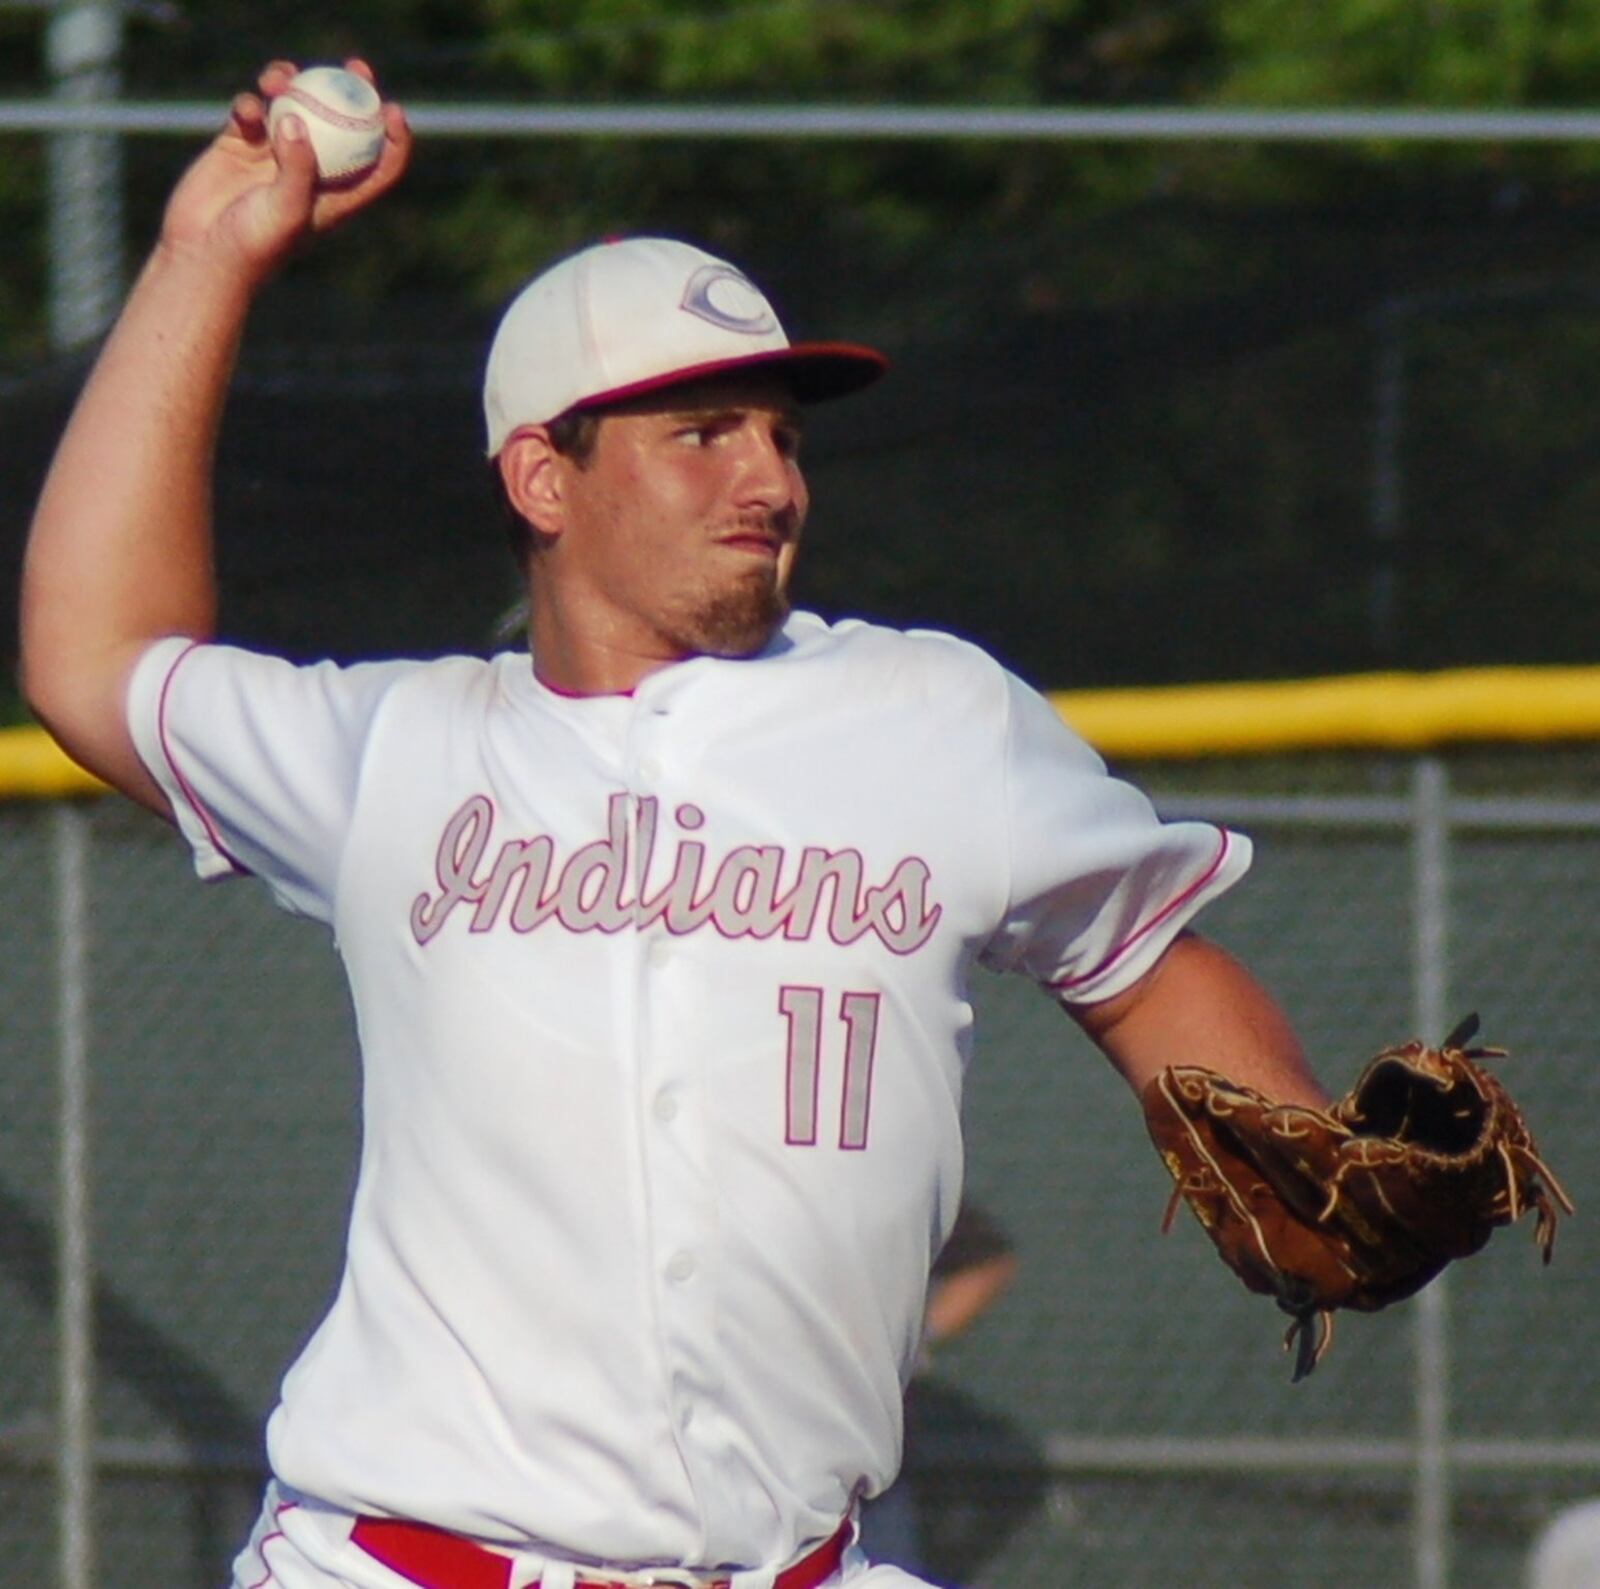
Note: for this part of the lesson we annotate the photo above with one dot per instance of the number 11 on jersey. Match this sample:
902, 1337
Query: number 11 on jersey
803, 1013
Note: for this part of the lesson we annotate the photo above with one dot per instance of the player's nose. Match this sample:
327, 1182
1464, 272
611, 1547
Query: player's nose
769, 473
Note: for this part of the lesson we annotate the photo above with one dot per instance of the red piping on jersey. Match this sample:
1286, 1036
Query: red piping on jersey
267, 1539
183, 783
1176, 903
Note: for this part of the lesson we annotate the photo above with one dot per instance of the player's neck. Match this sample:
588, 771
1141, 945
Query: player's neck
573, 662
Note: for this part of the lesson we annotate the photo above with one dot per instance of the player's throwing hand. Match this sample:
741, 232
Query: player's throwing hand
253, 195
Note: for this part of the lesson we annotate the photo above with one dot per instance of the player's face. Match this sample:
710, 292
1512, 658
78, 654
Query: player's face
684, 522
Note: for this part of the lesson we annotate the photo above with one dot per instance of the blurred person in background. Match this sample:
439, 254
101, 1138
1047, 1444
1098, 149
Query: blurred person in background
974, 1269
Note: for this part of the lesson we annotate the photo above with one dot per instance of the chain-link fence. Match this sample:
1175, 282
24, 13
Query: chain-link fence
1341, 419
1160, 411
1122, 1418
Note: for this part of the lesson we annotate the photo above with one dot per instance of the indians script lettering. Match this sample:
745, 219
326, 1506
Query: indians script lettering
750, 891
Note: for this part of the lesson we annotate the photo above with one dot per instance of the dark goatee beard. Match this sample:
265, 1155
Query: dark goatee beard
737, 623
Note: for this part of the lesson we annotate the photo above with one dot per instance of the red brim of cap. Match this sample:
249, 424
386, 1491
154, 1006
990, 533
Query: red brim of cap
815, 372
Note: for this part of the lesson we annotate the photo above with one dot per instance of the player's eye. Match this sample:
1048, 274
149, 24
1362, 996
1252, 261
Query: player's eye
697, 435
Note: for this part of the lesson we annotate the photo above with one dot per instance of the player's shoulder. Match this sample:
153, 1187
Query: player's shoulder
456, 679
461, 672
939, 671
221, 695
411, 696
367, 672
863, 665
897, 657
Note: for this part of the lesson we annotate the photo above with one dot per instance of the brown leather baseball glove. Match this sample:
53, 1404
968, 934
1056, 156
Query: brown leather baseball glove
1363, 1203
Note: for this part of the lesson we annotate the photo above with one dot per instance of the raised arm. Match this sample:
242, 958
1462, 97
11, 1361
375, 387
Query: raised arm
120, 552
1199, 1006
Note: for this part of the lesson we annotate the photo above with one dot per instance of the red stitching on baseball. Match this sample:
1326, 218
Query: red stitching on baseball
340, 118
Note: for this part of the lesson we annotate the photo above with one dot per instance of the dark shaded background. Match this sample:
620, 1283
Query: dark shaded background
1175, 440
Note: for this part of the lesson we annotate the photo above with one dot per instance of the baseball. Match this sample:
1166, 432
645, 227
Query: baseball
342, 115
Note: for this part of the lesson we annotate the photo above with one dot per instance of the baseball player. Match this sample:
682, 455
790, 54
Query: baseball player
974, 1269
659, 939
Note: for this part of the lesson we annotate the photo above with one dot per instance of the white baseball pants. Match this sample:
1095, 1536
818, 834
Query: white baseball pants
299, 1543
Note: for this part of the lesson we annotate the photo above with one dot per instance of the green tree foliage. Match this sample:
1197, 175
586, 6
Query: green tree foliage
785, 50
1407, 52
481, 212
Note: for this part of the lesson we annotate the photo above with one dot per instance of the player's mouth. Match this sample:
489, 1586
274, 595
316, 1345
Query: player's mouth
757, 543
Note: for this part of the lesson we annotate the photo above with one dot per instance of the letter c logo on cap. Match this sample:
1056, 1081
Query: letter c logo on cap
721, 295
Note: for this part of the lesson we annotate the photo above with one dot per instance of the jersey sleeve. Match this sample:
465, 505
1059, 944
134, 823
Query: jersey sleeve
1100, 885
259, 759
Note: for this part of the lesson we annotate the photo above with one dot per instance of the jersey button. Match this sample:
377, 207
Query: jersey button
680, 1266
650, 769
666, 1107
659, 952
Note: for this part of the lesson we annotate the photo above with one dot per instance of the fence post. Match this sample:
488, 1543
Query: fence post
83, 46
1430, 840
75, 1274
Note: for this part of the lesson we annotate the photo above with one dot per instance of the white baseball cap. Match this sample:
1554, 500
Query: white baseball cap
627, 317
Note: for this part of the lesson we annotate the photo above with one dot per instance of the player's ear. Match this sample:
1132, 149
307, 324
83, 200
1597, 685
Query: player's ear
531, 470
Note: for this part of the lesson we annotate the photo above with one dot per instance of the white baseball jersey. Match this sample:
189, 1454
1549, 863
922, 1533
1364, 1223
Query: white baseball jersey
663, 1008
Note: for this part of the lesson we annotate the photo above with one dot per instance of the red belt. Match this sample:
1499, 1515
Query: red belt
436, 1559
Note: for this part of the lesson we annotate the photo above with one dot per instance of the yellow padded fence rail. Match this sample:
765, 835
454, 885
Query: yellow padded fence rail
34, 767
1369, 711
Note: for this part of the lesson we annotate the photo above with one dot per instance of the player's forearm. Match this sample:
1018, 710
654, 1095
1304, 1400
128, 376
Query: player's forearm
119, 552
955, 1300
1199, 1006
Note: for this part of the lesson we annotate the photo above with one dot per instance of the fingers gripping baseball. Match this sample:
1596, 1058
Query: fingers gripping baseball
254, 194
